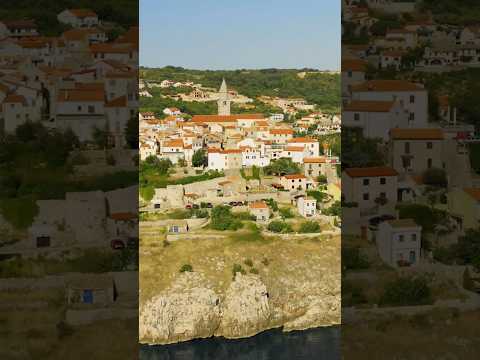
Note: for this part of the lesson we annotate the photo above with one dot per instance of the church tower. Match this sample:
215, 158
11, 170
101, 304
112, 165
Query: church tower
223, 100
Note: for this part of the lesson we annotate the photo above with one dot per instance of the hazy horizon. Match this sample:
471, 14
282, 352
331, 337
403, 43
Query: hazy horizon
250, 35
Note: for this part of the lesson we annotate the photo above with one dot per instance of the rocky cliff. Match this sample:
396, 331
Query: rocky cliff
305, 295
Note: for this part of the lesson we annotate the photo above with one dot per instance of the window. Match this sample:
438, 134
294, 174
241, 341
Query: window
411, 117
429, 163
414, 237
412, 99
429, 145
349, 73
366, 182
407, 148
401, 238
43, 241
383, 181
79, 108
356, 116
91, 109
366, 196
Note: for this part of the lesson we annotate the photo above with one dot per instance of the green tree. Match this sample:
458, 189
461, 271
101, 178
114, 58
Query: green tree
199, 158
131, 132
223, 219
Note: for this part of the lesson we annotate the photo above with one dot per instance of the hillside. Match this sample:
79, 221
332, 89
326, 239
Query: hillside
124, 13
322, 89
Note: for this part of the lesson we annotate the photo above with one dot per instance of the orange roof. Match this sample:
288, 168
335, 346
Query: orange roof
369, 106
416, 134
224, 151
314, 160
173, 143
393, 53
294, 176
354, 65
118, 102
261, 123
82, 13
258, 205
387, 85
14, 98
302, 140
294, 148
80, 95
20, 24
224, 118
123, 216
473, 192
281, 131
111, 48
371, 171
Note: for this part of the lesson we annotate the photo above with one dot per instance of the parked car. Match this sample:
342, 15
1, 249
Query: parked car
117, 244
195, 206
188, 206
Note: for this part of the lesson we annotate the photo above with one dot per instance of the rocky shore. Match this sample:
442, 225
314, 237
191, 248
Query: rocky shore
306, 296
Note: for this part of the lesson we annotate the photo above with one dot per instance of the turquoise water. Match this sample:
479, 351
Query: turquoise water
314, 344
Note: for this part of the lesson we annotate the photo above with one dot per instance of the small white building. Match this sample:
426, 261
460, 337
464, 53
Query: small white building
399, 242
260, 210
294, 182
307, 206
78, 18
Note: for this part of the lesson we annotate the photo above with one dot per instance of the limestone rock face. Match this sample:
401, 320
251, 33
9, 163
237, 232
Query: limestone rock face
188, 309
245, 310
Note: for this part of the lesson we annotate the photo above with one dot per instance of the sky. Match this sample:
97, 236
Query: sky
240, 34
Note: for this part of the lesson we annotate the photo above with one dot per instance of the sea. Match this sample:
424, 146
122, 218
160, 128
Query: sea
313, 344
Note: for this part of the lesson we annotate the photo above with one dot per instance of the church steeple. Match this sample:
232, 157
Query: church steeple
223, 99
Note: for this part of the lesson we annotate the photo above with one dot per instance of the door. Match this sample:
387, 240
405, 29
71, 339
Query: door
43, 241
87, 296
412, 257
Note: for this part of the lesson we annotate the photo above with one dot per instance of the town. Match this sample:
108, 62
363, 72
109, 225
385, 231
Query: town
410, 185
247, 194
68, 173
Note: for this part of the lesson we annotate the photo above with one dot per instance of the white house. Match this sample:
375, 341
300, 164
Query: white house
294, 182
172, 111
399, 242
411, 96
220, 159
353, 73
78, 18
307, 206
260, 210
310, 146
375, 118
416, 150
367, 187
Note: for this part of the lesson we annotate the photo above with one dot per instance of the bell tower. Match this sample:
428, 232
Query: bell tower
223, 100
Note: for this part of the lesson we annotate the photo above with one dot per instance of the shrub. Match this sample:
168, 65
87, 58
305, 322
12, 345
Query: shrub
110, 160
309, 227
265, 262
278, 226
272, 204
166, 243
254, 271
352, 259
79, 159
406, 291
186, 268
468, 283
223, 219
286, 213
237, 269
334, 210
248, 262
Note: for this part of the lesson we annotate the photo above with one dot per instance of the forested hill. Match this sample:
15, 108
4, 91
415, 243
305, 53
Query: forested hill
316, 87
121, 12
453, 12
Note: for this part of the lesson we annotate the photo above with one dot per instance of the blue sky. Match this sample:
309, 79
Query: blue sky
234, 34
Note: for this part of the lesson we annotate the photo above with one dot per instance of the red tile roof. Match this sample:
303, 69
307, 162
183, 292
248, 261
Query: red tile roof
371, 171
416, 134
224, 118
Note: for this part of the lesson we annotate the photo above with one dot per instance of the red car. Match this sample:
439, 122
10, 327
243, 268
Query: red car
117, 244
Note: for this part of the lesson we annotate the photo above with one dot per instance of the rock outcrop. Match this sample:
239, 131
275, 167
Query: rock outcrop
245, 310
188, 309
